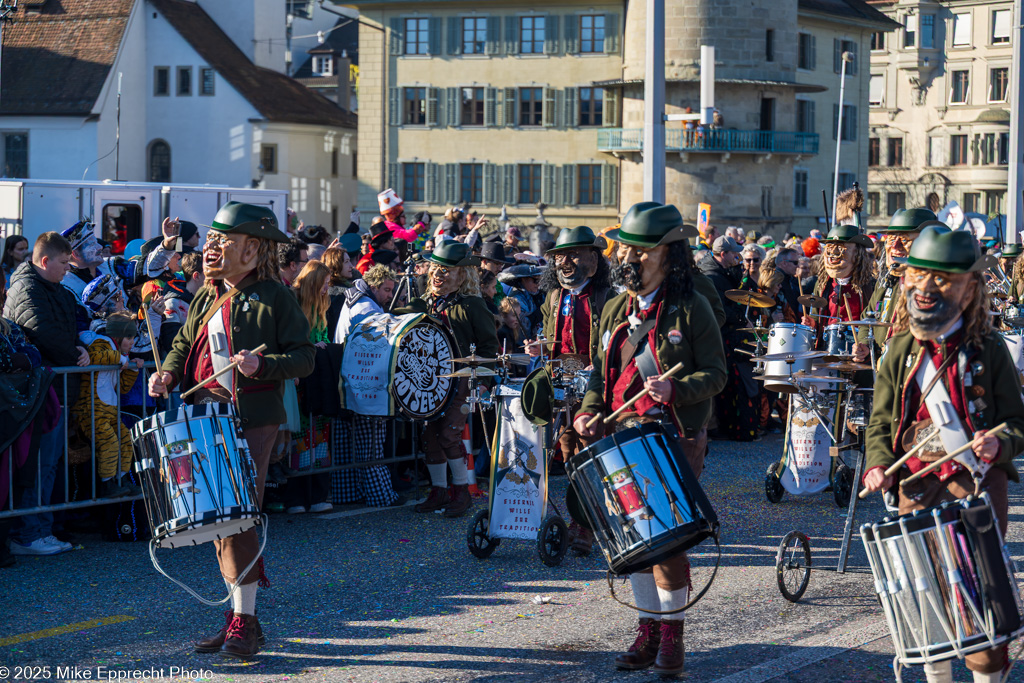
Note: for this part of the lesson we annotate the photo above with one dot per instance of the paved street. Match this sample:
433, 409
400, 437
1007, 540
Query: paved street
396, 596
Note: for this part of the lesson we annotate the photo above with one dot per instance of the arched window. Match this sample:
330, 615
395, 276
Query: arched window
934, 203
159, 162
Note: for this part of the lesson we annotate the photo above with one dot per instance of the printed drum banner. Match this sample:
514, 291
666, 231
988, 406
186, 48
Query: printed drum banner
519, 482
807, 460
368, 364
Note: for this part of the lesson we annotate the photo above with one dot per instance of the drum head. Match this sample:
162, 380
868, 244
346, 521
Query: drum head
424, 354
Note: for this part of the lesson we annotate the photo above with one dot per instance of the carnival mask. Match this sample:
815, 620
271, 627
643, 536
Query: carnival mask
935, 299
897, 246
573, 267
643, 270
444, 280
228, 257
839, 259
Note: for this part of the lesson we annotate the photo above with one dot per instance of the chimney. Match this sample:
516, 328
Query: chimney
344, 76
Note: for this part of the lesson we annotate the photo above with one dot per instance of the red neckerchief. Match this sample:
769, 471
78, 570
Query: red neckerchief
630, 383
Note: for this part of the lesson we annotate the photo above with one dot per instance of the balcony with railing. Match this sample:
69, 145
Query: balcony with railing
721, 141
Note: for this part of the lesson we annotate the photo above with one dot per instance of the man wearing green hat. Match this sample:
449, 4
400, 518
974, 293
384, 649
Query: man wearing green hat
453, 297
946, 350
241, 305
658, 322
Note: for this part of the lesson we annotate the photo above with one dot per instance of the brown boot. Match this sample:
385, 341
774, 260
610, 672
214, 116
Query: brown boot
437, 499
644, 650
215, 642
670, 652
460, 502
241, 640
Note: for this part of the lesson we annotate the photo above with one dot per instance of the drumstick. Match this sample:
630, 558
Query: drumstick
995, 431
152, 343
629, 404
800, 285
259, 349
849, 313
899, 463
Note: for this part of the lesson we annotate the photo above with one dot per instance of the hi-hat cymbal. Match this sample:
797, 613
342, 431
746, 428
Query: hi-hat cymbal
745, 298
846, 366
474, 359
864, 323
472, 372
812, 301
789, 357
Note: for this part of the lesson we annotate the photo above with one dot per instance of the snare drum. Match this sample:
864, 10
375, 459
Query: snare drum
838, 341
787, 338
197, 476
1015, 343
945, 580
641, 498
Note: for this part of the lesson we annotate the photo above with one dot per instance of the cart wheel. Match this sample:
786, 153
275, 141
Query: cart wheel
772, 486
793, 565
552, 540
842, 486
480, 544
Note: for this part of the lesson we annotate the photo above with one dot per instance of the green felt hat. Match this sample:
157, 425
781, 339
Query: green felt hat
650, 224
848, 234
580, 236
951, 251
236, 218
909, 220
1011, 250
538, 397
453, 254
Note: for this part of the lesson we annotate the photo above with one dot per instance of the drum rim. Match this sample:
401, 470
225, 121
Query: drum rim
447, 401
787, 326
919, 520
625, 435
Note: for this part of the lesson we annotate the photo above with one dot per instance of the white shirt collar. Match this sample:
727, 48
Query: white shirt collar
575, 291
956, 326
644, 301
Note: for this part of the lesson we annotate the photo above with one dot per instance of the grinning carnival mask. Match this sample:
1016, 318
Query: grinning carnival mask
102, 296
840, 250
575, 255
85, 250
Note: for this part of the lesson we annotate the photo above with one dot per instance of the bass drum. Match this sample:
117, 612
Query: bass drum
425, 353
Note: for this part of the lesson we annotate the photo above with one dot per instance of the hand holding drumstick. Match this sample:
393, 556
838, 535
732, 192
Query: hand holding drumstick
659, 389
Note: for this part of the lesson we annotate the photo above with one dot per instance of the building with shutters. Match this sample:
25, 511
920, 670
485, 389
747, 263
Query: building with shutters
939, 107
491, 103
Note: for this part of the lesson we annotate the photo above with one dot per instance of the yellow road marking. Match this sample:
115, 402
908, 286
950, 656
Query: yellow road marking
61, 630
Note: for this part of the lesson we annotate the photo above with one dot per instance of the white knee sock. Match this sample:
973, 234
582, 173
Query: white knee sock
645, 594
671, 600
460, 475
988, 678
939, 672
438, 474
244, 600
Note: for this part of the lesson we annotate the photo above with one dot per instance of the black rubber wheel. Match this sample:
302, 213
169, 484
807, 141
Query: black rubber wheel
552, 540
842, 486
772, 486
793, 565
480, 544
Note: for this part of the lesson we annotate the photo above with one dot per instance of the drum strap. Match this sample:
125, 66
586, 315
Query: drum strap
634, 342
212, 310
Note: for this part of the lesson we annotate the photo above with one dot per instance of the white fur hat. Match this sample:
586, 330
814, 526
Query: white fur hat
388, 200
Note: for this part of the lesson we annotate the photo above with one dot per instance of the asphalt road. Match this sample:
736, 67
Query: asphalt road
395, 596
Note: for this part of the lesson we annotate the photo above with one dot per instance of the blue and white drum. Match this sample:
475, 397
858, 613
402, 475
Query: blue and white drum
641, 498
198, 478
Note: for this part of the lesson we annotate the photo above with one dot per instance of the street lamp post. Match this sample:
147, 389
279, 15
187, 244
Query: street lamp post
847, 57
654, 104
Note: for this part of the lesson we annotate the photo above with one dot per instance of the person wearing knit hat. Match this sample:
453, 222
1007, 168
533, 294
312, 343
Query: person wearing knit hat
98, 401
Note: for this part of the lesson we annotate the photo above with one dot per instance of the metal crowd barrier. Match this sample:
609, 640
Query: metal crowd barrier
60, 383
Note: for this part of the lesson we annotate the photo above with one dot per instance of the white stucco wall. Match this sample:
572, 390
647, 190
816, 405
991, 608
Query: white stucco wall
58, 146
256, 26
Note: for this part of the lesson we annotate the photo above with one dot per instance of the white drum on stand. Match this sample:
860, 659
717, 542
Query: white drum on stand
787, 338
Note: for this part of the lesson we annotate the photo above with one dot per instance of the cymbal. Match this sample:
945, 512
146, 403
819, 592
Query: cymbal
515, 358
474, 359
472, 372
774, 378
863, 323
1014, 322
802, 376
812, 301
846, 366
755, 299
789, 357
755, 330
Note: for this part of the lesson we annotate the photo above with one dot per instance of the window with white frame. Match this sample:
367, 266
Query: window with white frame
927, 30
876, 91
531, 35
998, 84
417, 36
323, 65
474, 35
962, 29
960, 86
1001, 26
910, 30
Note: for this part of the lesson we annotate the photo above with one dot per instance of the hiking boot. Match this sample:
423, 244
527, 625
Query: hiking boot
460, 502
644, 650
242, 639
670, 652
437, 499
215, 642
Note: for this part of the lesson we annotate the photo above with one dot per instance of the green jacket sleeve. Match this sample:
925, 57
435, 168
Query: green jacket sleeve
703, 285
1006, 398
878, 440
708, 378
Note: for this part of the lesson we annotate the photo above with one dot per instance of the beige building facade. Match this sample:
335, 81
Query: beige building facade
939, 103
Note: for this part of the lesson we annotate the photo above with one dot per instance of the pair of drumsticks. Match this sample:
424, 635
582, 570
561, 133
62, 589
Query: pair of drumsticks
629, 404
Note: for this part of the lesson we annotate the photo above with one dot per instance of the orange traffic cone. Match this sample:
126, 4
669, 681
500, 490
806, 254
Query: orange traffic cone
467, 445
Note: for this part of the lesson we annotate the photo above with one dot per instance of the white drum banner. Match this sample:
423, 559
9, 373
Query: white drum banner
368, 364
808, 462
519, 483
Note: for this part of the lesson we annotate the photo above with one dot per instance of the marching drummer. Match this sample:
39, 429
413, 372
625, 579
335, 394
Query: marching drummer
946, 351
242, 305
659, 321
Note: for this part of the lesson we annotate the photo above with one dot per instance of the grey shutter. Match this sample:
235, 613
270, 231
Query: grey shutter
451, 183
493, 46
393, 176
852, 68
611, 108
455, 35
512, 35
549, 185
572, 111
572, 34
812, 127
552, 38
453, 112
490, 193
837, 55
509, 107
548, 114
432, 181
490, 107
569, 185
394, 107
508, 185
397, 37
609, 186
612, 39
852, 130
814, 52
433, 107
434, 37
835, 120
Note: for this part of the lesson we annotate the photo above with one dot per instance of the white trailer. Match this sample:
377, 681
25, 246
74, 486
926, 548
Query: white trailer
121, 211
